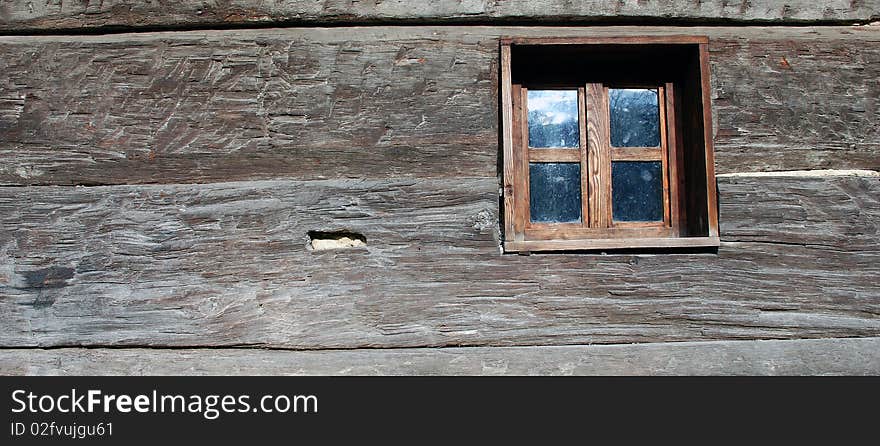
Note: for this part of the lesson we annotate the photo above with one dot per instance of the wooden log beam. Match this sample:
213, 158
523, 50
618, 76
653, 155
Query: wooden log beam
192, 107
23, 15
805, 208
228, 265
851, 356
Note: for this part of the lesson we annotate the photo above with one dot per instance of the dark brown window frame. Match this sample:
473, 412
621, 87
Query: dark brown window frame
597, 230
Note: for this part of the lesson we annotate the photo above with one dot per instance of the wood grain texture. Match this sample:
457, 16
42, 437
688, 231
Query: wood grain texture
234, 107
192, 107
21, 15
510, 140
780, 122
852, 356
228, 265
834, 212
708, 146
598, 157
677, 204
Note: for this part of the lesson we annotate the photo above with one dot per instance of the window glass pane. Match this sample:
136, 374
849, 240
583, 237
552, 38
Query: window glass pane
635, 117
636, 191
553, 118
555, 192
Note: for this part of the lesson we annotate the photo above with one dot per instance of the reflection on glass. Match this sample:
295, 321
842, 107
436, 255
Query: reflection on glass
555, 192
553, 118
635, 117
636, 191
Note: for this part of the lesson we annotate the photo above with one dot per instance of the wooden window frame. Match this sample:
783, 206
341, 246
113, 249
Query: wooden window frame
597, 230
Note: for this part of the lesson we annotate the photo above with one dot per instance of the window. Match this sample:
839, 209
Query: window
607, 144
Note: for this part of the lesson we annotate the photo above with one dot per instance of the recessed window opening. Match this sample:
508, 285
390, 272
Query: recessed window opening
607, 144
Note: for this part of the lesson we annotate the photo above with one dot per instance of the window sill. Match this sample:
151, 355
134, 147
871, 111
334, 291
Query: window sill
620, 243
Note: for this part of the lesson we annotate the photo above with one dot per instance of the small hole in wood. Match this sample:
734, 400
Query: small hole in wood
325, 240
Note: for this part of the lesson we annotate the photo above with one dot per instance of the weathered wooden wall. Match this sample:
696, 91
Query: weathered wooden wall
384, 102
159, 188
52, 15
227, 264
849, 356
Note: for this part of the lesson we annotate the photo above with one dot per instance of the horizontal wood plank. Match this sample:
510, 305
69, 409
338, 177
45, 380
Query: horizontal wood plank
836, 212
852, 356
611, 244
229, 265
554, 155
574, 231
636, 154
192, 107
23, 15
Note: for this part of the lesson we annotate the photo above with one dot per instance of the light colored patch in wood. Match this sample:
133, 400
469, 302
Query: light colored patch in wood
819, 173
28, 172
321, 244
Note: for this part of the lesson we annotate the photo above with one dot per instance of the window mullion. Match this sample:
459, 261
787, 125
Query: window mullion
598, 155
